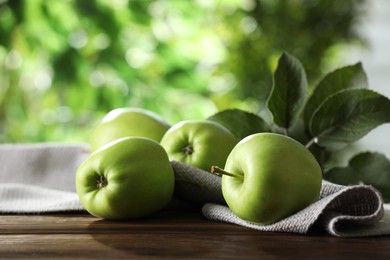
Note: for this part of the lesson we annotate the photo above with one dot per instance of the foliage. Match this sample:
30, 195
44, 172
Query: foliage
64, 64
240, 122
340, 111
369, 168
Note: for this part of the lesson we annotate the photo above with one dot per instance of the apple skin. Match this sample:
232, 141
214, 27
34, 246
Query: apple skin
128, 178
198, 143
281, 177
123, 122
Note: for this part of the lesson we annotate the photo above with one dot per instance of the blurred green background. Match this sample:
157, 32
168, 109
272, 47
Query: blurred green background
64, 64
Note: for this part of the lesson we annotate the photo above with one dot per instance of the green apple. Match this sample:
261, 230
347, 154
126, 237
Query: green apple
269, 177
199, 143
130, 177
123, 122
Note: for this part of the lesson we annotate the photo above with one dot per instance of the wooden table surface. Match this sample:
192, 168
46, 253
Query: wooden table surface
170, 234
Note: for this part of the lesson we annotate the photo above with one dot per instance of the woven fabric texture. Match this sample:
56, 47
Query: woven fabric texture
340, 210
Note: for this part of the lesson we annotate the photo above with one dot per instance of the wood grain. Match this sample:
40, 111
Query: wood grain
168, 235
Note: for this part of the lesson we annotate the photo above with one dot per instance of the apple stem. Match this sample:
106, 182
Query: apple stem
219, 172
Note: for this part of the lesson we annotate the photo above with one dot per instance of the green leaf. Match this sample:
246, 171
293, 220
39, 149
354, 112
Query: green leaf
374, 170
347, 116
348, 77
342, 175
240, 123
289, 91
367, 168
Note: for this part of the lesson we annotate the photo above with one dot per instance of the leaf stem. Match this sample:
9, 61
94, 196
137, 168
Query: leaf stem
311, 142
219, 172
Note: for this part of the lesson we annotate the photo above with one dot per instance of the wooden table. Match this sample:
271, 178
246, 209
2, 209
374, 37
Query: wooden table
170, 234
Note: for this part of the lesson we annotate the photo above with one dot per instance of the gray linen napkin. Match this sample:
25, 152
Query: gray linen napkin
348, 211
39, 177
